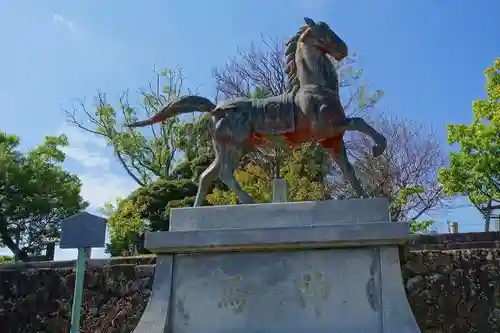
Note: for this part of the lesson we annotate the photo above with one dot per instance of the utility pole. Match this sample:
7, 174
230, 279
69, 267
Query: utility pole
487, 216
453, 227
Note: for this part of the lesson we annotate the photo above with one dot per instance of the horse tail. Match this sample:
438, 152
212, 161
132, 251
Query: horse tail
182, 105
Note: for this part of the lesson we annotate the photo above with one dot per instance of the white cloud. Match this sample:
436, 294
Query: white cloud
97, 48
79, 135
84, 148
99, 183
99, 188
86, 157
64, 21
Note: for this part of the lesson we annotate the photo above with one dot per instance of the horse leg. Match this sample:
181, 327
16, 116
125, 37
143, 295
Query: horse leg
230, 156
336, 149
206, 178
360, 125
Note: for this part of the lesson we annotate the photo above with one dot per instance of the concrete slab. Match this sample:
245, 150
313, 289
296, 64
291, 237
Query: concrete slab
317, 236
280, 214
155, 318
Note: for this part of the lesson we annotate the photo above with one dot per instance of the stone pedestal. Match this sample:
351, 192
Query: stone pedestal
329, 266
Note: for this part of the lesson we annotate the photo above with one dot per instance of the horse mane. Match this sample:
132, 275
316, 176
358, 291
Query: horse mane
290, 64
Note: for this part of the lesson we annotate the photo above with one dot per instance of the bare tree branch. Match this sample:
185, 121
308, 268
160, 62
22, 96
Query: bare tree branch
143, 156
411, 160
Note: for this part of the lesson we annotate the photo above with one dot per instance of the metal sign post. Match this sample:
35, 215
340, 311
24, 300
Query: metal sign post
83, 232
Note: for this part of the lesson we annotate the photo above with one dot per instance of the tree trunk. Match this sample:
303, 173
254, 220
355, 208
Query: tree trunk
11, 245
487, 217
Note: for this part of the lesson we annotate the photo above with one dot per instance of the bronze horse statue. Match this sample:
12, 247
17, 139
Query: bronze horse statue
310, 110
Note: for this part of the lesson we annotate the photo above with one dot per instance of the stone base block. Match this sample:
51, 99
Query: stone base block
294, 214
329, 266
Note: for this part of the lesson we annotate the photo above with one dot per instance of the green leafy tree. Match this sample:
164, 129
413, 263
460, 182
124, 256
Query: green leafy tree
422, 227
474, 170
400, 201
146, 209
6, 259
257, 182
35, 194
149, 153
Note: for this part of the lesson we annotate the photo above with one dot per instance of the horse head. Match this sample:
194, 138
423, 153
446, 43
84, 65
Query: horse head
324, 39
313, 43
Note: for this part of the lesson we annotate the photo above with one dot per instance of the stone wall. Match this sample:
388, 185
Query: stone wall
450, 291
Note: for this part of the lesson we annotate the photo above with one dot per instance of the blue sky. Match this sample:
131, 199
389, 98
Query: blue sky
428, 57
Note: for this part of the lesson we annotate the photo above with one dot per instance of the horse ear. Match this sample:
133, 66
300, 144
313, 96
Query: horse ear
309, 22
